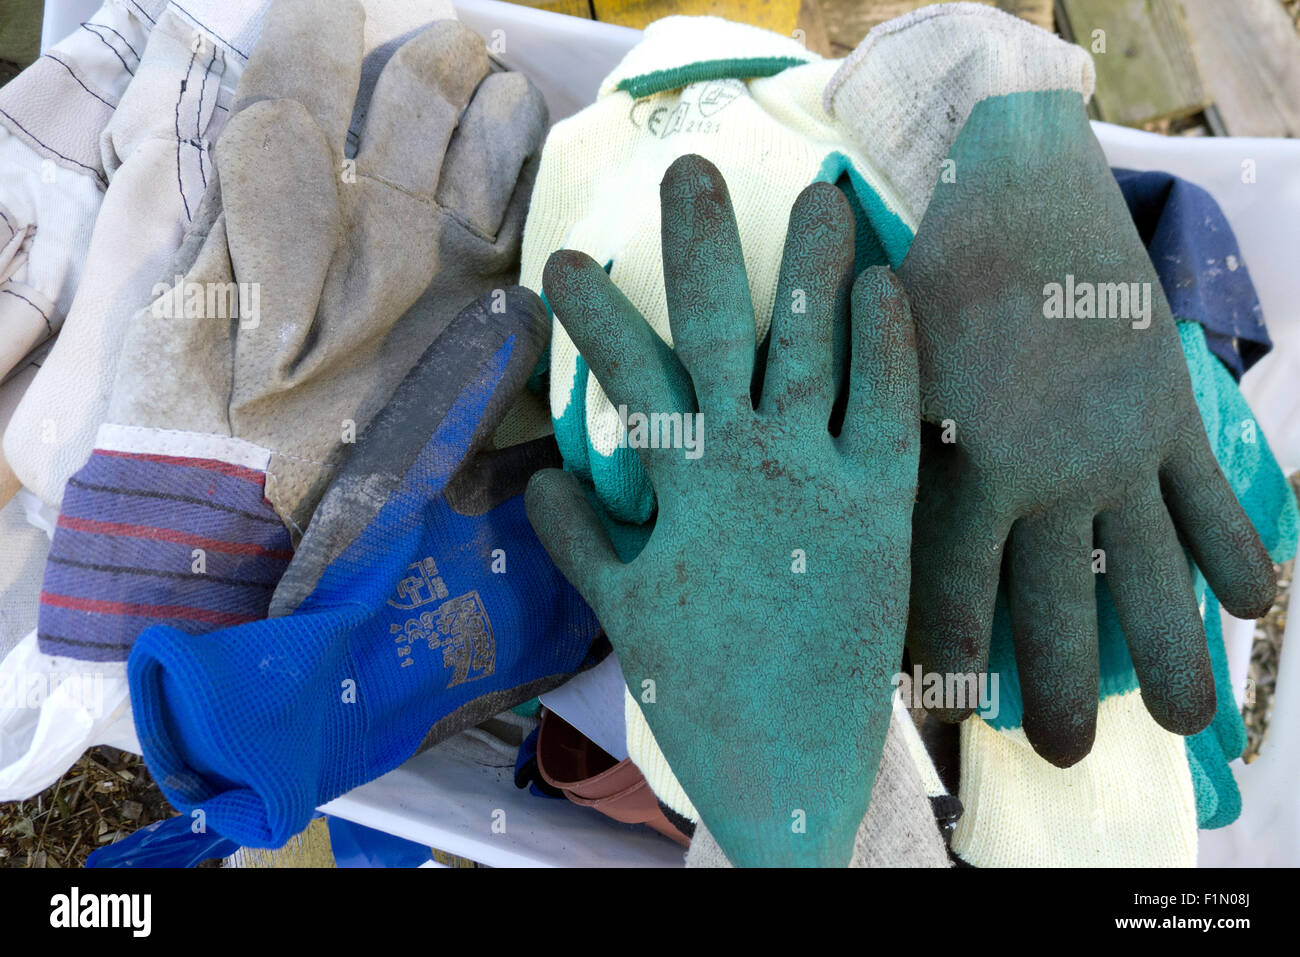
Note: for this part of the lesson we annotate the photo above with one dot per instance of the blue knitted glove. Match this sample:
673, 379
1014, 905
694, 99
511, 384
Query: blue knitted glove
421, 604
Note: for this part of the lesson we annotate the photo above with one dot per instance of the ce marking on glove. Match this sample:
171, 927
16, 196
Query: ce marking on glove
663, 121
687, 116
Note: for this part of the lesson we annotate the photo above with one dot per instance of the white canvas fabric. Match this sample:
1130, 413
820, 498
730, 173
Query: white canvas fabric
52, 174
157, 150
157, 154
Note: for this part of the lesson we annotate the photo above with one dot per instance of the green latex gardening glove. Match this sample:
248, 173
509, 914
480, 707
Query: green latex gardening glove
1055, 429
762, 622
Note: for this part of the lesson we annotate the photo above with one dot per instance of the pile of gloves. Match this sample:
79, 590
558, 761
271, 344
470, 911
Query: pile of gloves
289, 552
858, 370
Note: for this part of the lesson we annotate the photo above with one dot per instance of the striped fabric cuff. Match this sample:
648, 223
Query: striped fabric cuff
149, 538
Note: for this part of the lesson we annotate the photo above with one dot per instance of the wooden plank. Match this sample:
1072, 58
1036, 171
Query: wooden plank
20, 36
780, 16
810, 28
1146, 70
451, 860
1249, 54
572, 8
1037, 12
848, 21
311, 849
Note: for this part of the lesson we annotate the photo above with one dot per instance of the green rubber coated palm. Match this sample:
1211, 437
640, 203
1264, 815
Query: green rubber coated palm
1061, 432
760, 626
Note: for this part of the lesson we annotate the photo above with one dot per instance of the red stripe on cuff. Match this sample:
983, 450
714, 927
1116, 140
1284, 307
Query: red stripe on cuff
145, 611
212, 465
170, 535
